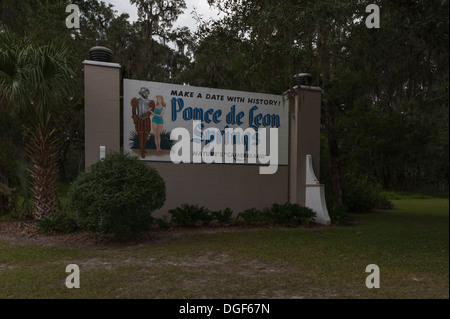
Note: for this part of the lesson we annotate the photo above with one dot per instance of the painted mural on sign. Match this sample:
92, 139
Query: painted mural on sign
235, 122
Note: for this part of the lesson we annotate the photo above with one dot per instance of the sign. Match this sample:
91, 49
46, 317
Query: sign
236, 122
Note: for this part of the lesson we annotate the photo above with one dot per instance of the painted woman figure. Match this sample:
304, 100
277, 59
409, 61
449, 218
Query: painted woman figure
157, 120
142, 109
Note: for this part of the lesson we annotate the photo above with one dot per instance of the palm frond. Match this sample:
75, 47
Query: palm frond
34, 78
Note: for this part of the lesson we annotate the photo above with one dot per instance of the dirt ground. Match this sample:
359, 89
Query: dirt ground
26, 233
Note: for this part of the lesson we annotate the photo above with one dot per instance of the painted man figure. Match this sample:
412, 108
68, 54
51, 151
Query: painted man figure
142, 108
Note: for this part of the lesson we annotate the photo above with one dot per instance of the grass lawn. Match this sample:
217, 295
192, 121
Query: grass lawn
410, 244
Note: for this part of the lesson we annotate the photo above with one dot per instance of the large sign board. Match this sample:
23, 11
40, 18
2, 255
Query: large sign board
232, 121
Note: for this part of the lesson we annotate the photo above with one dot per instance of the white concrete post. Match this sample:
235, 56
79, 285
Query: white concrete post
315, 194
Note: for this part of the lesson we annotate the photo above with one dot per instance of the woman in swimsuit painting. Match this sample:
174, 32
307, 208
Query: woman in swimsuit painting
158, 120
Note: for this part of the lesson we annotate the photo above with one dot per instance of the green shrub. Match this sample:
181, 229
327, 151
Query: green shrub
223, 216
8, 203
190, 215
384, 203
162, 223
339, 214
117, 195
291, 215
58, 223
361, 195
253, 216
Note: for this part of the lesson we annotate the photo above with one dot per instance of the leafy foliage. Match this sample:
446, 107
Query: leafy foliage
339, 214
58, 223
385, 101
190, 215
34, 79
117, 195
163, 223
291, 215
40, 24
253, 217
223, 216
362, 195
288, 215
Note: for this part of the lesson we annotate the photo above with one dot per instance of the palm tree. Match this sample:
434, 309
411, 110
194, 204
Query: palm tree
34, 80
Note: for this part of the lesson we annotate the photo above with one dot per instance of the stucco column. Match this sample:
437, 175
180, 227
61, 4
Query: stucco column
102, 109
304, 138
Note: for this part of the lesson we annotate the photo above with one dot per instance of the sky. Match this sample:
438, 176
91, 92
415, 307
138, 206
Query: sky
200, 6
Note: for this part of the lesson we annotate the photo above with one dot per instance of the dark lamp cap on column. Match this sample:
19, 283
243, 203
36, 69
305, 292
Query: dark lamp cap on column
100, 54
303, 79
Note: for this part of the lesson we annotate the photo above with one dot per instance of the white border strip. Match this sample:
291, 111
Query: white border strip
98, 63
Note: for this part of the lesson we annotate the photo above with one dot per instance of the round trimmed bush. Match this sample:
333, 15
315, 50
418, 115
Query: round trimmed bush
117, 195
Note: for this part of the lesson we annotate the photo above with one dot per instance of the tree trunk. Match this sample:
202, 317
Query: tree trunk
4, 198
43, 151
333, 150
325, 65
